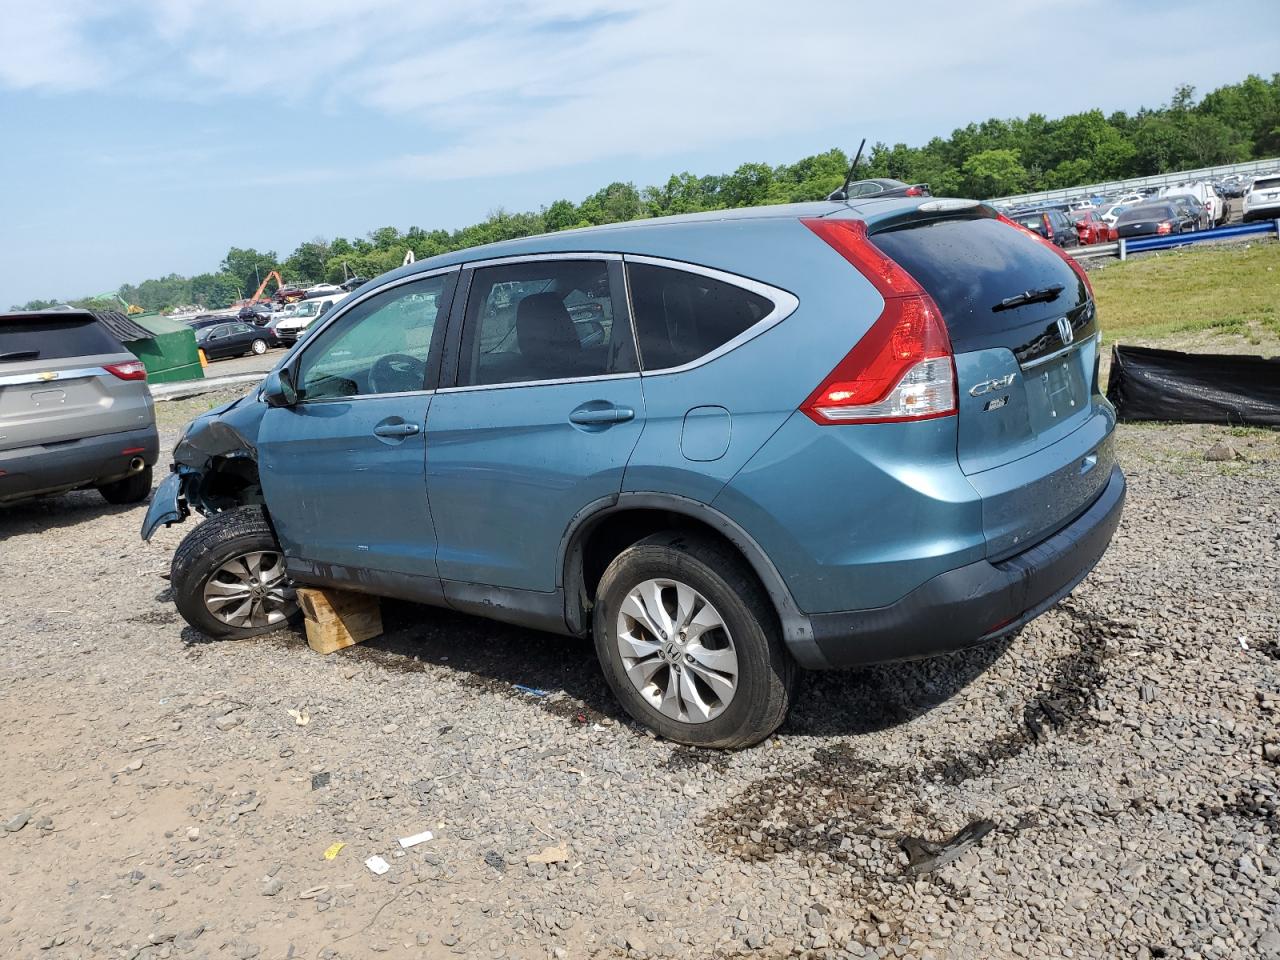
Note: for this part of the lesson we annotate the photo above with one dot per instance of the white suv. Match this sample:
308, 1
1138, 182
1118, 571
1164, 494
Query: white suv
1262, 199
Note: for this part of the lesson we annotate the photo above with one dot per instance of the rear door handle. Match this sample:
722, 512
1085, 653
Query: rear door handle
395, 429
607, 415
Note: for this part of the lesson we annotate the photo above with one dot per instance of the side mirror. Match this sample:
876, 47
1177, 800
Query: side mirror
278, 389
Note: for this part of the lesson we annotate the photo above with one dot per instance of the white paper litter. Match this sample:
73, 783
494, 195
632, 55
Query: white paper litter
377, 865
417, 838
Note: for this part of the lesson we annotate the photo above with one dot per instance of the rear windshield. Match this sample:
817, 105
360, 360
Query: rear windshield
1138, 214
969, 267
1268, 184
1032, 221
54, 339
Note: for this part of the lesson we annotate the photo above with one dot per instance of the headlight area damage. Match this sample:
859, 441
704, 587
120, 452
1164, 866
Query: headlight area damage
215, 466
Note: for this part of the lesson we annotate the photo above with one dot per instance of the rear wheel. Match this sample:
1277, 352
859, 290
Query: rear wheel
259, 347
690, 644
131, 489
229, 579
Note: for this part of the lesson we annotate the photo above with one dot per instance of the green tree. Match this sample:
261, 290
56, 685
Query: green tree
307, 263
994, 173
248, 267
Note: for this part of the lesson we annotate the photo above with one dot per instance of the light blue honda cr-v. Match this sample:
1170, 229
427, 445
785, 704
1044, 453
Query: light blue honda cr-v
729, 445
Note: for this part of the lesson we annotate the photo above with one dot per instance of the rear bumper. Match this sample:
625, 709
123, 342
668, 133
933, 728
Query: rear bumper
37, 470
976, 602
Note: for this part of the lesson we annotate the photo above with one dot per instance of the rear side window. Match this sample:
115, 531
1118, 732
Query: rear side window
54, 339
542, 320
682, 316
969, 266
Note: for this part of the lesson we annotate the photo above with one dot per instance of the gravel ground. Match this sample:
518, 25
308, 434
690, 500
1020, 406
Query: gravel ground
1115, 765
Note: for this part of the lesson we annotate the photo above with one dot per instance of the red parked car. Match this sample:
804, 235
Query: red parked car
1090, 227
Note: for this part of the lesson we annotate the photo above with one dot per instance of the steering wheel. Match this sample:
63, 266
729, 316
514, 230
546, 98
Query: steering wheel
397, 373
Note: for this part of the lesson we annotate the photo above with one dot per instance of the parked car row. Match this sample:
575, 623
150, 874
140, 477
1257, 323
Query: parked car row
260, 326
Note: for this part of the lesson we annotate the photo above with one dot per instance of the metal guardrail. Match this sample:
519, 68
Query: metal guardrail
1172, 178
1122, 248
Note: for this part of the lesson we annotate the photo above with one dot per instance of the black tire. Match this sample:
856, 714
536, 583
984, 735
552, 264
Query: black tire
253, 347
131, 489
767, 675
203, 551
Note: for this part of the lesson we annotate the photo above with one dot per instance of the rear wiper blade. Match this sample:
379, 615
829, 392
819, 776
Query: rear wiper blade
1043, 295
19, 355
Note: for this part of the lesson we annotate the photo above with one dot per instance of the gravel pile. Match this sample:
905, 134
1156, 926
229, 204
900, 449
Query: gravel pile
1105, 784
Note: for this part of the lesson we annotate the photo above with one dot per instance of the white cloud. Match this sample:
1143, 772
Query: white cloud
508, 87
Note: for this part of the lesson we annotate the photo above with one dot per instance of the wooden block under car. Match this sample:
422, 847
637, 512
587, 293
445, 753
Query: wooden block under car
339, 618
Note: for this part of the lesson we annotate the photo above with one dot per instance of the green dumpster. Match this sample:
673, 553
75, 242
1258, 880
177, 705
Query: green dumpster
170, 352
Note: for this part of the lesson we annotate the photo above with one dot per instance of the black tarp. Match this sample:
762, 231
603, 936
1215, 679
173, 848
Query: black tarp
1149, 384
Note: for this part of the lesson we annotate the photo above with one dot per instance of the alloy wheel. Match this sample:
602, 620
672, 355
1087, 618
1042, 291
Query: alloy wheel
677, 651
251, 590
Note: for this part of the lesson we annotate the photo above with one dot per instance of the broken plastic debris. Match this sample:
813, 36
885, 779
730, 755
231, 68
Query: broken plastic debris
334, 850
377, 865
311, 893
417, 838
925, 856
558, 854
1244, 644
532, 691
300, 717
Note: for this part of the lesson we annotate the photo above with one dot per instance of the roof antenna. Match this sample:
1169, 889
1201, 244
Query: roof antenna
843, 192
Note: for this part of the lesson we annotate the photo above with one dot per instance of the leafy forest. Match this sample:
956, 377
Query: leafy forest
989, 159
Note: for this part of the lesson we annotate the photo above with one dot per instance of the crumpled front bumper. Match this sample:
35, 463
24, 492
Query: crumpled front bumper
167, 505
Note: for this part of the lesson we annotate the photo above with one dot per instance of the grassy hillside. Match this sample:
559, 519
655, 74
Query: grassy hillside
1202, 299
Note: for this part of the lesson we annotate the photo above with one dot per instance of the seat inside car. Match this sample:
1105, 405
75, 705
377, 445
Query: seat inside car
548, 340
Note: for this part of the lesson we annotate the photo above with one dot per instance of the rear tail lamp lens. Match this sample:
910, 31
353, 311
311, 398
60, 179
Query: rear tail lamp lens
131, 370
902, 367
1165, 227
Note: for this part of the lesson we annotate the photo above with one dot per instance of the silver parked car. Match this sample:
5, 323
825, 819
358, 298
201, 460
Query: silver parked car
75, 410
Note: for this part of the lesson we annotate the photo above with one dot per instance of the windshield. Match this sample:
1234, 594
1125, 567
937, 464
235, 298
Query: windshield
1268, 183
308, 309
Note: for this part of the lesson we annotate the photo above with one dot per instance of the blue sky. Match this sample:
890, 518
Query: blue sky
144, 137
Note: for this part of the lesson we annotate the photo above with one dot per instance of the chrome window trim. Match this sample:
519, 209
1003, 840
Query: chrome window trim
539, 383
307, 344
19, 379
784, 305
529, 257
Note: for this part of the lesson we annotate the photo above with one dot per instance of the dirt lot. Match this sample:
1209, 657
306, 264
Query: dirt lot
161, 796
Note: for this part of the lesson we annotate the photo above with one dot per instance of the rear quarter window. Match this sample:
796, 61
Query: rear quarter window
22, 340
681, 316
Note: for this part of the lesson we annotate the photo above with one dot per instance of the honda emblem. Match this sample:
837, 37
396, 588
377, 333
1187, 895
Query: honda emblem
1065, 330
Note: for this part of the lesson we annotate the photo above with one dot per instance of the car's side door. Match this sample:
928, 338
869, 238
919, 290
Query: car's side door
215, 345
342, 468
539, 422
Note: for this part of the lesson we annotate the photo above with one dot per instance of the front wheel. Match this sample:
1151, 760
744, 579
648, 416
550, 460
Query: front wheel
690, 644
228, 577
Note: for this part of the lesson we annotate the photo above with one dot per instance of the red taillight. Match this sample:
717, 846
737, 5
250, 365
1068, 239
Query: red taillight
914, 192
1071, 261
132, 370
1048, 228
1165, 227
129, 451
901, 369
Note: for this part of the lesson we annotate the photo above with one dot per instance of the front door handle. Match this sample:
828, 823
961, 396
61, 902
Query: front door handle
395, 429
598, 417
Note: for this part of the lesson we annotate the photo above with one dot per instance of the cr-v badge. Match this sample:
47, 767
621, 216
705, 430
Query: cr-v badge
986, 386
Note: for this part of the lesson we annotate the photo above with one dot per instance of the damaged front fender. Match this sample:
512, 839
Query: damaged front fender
215, 465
